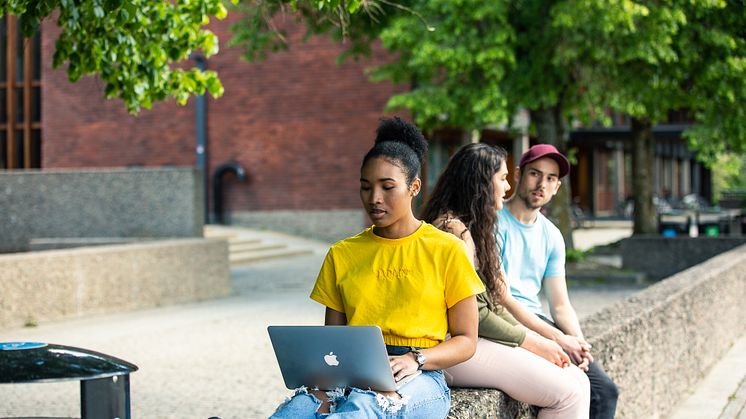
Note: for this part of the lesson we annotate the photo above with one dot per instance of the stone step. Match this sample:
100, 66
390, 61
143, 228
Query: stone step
212, 232
241, 258
253, 246
246, 245
240, 241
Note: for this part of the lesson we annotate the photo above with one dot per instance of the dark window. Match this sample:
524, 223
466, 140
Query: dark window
3, 150
680, 116
20, 97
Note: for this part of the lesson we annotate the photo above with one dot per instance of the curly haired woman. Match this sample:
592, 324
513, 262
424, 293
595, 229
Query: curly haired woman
509, 356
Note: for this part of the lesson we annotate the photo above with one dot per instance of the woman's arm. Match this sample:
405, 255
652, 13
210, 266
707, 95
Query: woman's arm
462, 324
500, 328
497, 328
529, 319
334, 318
533, 322
545, 348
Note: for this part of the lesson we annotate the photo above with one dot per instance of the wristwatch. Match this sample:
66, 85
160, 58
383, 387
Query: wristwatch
419, 357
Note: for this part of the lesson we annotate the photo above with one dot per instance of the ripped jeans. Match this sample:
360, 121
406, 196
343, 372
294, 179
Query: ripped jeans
426, 397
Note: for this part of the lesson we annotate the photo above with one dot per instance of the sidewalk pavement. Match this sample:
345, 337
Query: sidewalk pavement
211, 358
722, 393
196, 360
602, 233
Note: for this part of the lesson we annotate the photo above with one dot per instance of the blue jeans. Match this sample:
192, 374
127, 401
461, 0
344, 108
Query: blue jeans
426, 397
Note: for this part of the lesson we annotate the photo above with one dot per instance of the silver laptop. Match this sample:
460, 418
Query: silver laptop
327, 357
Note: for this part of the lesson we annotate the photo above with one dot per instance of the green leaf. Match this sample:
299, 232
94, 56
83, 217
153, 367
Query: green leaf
130, 45
214, 86
222, 12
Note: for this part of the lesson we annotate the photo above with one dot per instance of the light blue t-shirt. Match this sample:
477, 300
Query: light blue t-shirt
530, 253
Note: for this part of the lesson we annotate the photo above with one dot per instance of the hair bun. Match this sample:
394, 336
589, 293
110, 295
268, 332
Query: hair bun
400, 131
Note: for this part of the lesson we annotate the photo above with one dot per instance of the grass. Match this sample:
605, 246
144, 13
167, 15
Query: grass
30, 322
575, 255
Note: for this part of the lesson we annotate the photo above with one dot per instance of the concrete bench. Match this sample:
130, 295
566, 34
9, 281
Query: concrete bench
487, 403
60, 284
656, 344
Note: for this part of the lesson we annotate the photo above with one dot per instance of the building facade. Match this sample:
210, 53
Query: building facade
297, 123
20, 97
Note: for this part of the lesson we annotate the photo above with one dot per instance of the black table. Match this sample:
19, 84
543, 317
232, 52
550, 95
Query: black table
104, 380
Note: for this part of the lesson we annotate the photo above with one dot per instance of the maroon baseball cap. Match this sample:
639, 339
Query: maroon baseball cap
546, 150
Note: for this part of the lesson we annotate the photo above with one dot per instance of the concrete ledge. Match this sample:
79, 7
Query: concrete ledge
58, 284
657, 344
145, 202
660, 257
72, 242
473, 403
327, 225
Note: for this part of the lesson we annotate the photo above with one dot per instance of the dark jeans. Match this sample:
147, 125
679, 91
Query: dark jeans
604, 393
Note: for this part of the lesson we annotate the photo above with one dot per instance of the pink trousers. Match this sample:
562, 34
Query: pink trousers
559, 392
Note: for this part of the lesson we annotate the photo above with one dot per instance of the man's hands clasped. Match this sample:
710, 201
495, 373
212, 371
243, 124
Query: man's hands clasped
578, 349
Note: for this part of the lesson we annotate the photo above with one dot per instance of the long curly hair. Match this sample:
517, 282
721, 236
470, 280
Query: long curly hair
465, 190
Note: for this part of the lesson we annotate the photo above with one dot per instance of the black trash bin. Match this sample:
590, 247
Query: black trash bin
104, 380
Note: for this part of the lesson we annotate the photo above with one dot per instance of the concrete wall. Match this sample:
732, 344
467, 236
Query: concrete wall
58, 284
166, 202
660, 257
330, 225
656, 344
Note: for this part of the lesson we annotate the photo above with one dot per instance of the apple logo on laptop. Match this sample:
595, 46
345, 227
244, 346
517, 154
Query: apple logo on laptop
331, 359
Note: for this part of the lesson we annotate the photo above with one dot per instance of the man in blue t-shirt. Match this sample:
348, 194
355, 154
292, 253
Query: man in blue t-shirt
533, 257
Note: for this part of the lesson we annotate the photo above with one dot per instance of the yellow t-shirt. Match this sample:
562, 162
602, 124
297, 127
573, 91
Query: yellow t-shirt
404, 286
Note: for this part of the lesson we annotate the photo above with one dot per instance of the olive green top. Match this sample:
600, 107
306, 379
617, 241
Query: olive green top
497, 324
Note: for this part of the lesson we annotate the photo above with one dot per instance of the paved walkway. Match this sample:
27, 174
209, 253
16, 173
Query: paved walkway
722, 393
196, 360
211, 358
604, 232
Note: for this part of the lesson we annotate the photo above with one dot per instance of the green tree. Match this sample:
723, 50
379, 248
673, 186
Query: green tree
469, 64
131, 45
356, 23
484, 62
475, 63
552, 91
139, 48
646, 58
454, 63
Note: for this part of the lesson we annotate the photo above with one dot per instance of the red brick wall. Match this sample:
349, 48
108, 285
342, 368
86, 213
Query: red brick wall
298, 122
82, 129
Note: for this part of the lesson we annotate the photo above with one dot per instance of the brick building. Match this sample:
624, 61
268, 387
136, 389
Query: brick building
298, 123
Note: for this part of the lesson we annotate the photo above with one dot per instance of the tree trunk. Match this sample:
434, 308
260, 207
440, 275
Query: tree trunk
645, 221
551, 129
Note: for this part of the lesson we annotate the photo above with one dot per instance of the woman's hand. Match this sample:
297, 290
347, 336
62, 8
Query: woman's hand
403, 365
546, 349
578, 349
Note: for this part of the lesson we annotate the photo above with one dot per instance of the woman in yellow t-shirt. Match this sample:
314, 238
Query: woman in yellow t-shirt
412, 280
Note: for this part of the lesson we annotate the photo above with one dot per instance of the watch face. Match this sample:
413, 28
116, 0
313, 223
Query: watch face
420, 358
